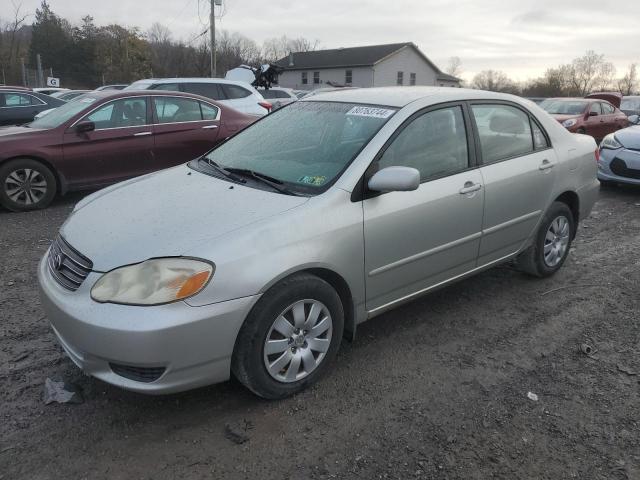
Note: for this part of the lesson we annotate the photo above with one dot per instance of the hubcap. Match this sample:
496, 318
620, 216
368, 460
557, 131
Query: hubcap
556, 241
25, 186
298, 341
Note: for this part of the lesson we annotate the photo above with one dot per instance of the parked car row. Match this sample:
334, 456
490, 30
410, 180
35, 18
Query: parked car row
106, 137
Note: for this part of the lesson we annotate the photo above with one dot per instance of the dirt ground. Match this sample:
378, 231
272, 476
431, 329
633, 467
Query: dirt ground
435, 389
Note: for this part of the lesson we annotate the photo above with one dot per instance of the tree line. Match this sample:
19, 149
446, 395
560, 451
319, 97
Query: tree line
87, 55
584, 75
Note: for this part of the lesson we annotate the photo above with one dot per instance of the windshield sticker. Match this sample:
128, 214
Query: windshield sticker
313, 180
371, 112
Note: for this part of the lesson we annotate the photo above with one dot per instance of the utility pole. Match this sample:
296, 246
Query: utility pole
40, 81
24, 73
212, 32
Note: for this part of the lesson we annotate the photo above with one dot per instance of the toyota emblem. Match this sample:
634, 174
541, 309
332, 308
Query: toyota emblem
57, 261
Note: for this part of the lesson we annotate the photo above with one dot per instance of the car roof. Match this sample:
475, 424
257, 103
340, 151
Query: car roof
115, 94
193, 80
402, 96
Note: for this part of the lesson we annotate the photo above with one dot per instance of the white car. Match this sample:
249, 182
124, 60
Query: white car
50, 90
279, 96
238, 95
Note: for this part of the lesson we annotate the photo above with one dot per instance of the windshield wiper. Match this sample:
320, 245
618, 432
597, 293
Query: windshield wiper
223, 170
274, 183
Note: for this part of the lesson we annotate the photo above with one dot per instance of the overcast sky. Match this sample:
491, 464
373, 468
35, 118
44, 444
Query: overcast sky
520, 37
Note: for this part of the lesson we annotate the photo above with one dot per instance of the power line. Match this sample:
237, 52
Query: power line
186, 5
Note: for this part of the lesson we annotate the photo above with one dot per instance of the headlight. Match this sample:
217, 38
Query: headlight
569, 123
611, 142
154, 282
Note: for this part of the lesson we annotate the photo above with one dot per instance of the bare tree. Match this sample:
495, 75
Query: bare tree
584, 72
606, 77
629, 83
455, 67
9, 39
494, 81
276, 48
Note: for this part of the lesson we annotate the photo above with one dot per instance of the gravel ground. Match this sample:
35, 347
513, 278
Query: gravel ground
435, 389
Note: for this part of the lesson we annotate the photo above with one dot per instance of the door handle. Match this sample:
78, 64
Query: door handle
545, 165
142, 134
470, 187
209, 127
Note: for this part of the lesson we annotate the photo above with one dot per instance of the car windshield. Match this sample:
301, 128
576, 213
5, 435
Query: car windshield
305, 145
630, 103
564, 107
63, 113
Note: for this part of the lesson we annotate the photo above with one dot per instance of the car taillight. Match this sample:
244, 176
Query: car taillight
266, 105
597, 155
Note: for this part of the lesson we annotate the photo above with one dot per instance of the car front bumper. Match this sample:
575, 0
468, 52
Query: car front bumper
191, 346
631, 159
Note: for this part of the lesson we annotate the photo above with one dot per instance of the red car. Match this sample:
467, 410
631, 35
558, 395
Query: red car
105, 137
597, 115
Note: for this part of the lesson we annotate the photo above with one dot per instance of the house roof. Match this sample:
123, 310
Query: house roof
352, 57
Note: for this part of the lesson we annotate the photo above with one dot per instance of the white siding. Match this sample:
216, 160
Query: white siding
361, 77
408, 62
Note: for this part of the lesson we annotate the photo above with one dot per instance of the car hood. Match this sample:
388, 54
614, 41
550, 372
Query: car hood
562, 117
614, 98
165, 214
629, 137
9, 133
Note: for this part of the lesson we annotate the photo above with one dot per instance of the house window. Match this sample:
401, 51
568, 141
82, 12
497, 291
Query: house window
348, 77
412, 79
400, 78
316, 78
305, 80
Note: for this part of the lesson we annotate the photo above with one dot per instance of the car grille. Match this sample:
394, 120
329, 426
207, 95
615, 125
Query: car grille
66, 265
138, 374
619, 167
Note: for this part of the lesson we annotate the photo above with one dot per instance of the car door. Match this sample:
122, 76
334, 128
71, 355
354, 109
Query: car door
120, 147
518, 173
595, 122
611, 120
184, 129
17, 108
415, 240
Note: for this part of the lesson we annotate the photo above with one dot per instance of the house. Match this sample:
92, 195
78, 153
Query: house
370, 66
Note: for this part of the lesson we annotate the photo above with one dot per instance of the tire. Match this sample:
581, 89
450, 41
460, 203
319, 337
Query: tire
26, 184
293, 369
538, 260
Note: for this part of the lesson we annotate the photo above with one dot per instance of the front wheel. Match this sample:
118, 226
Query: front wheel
552, 243
26, 184
289, 338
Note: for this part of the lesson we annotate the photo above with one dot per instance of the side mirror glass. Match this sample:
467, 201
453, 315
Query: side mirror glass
395, 179
634, 119
84, 127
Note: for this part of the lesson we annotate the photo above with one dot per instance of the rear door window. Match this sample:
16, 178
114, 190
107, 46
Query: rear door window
209, 90
171, 87
233, 92
20, 100
607, 109
504, 132
209, 112
177, 110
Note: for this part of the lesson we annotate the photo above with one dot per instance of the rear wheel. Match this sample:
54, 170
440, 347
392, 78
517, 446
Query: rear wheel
552, 243
26, 184
289, 338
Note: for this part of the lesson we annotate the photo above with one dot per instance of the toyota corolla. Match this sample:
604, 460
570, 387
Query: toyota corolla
259, 257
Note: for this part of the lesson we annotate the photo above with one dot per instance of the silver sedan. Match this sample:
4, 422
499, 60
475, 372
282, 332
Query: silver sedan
258, 258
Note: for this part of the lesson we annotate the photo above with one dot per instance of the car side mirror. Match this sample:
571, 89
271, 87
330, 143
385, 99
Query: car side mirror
395, 179
634, 119
84, 127
593, 114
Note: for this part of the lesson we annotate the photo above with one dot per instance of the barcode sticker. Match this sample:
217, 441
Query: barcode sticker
371, 112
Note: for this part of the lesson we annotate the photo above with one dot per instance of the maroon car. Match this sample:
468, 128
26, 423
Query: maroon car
105, 137
592, 116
